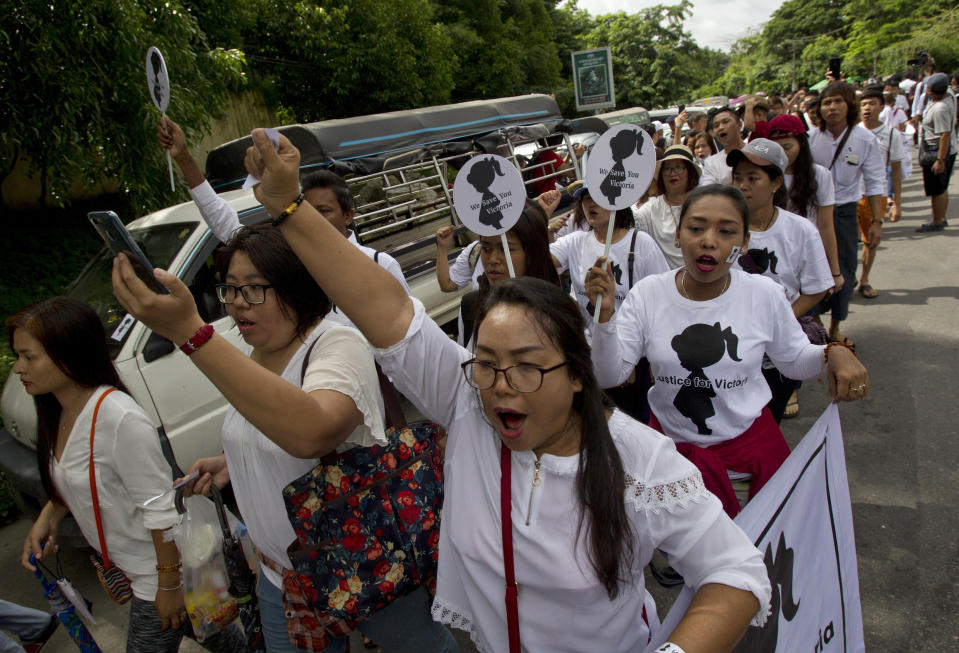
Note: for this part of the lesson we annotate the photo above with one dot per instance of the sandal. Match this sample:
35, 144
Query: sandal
868, 291
792, 407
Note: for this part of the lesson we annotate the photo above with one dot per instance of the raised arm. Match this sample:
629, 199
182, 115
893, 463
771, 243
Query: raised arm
444, 236
373, 300
216, 211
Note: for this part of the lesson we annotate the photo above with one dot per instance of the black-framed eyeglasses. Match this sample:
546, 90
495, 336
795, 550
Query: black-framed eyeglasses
253, 293
521, 377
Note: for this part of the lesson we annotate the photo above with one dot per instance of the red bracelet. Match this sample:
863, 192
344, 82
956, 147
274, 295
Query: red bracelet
200, 338
825, 352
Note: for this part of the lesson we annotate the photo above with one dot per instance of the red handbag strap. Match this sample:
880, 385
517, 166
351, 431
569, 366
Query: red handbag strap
506, 521
93, 483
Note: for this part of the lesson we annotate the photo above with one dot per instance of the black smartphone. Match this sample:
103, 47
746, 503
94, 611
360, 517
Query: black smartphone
835, 67
682, 107
118, 239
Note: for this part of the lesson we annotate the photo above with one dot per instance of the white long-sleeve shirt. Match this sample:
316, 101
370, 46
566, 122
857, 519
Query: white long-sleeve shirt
562, 606
860, 159
223, 222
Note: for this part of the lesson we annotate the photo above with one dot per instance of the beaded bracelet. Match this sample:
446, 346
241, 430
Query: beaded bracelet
288, 211
166, 568
825, 351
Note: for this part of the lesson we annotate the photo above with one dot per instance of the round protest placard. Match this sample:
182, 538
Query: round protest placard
489, 195
158, 80
620, 167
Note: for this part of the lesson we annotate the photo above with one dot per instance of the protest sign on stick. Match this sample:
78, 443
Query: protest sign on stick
489, 196
158, 82
801, 521
618, 172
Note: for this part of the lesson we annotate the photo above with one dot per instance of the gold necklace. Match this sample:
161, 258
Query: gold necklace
682, 283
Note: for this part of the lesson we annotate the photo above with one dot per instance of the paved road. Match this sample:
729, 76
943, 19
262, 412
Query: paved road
901, 449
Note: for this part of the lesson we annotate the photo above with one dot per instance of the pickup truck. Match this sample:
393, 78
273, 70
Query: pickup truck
399, 165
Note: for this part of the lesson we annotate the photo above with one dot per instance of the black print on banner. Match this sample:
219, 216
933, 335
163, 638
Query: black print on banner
757, 261
481, 177
698, 347
780, 570
621, 147
156, 62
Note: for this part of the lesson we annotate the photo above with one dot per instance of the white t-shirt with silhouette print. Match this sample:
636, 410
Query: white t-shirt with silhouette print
790, 253
578, 251
706, 356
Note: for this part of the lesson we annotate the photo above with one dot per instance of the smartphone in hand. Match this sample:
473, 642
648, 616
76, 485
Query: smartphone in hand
835, 68
118, 239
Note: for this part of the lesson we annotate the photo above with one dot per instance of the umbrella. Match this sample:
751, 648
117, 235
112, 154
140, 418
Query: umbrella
242, 579
65, 612
820, 85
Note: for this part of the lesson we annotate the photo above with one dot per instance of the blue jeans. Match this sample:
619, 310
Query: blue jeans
26, 623
404, 625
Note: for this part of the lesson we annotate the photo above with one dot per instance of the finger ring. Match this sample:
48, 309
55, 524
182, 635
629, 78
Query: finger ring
859, 388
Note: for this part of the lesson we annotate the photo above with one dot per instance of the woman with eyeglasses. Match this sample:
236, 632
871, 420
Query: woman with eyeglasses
588, 492
283, 416
676, 174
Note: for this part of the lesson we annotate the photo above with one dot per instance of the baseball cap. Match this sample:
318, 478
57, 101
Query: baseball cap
937, 83
762, 152
785, 123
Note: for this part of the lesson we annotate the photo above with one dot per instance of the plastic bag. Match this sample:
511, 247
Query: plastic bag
205, 583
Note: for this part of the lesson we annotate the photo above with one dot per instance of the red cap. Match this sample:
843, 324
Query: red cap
786, 123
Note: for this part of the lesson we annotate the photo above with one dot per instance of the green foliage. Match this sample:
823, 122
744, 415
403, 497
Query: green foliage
335, 59
73, 95
655, 60
872, 37
8, 502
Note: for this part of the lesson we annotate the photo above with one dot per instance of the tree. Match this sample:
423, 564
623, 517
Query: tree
333, 59
655, 60
73, 93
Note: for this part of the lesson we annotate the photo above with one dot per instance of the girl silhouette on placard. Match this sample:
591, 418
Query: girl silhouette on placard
621, 147
699, 346
481, 177
159, 86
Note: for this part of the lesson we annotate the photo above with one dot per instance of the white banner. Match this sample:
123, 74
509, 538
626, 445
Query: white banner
802, 522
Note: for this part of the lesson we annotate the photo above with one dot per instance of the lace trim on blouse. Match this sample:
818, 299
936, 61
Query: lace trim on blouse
667, 496
450, 617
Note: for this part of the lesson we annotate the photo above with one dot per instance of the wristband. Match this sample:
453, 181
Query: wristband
200, 338
838, 274
288, 211
669, 647
875, 220
825, 351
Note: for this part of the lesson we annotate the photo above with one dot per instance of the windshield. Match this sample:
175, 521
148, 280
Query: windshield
160, 244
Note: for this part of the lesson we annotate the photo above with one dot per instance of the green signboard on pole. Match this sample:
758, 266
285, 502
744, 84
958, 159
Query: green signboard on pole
593, 79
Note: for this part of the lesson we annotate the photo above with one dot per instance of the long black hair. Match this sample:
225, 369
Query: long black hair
600, 479
804, 190
273, 258
533, 236
73, 337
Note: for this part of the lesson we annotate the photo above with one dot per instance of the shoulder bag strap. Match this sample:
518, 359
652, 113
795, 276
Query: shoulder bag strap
632, 257
506, 521
391, 402
840, 146
93, 483
889, 147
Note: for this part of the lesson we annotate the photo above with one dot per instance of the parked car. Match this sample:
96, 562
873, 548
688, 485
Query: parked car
402, 188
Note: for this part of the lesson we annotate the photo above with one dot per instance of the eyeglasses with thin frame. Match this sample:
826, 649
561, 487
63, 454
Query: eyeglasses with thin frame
674, 170
521, 377
253, 293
